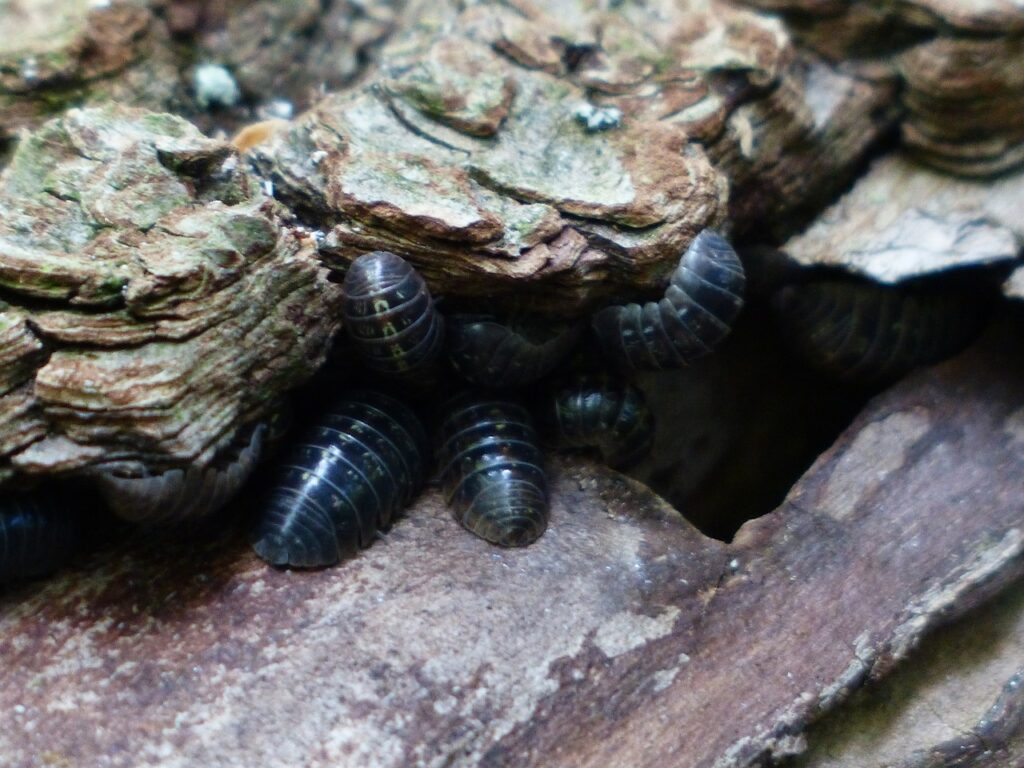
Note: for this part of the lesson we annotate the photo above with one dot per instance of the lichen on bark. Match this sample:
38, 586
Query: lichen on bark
468, 149
56, 54
157, 298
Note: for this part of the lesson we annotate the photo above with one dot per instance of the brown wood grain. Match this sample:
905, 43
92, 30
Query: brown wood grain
623, 637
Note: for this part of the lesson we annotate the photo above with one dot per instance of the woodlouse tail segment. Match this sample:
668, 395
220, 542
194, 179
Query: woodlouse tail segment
39, 531
500, 355
180, 495
492, 470
346, 477
298, 534
697, 311
391, 319
866, 334
508, 513
595, 412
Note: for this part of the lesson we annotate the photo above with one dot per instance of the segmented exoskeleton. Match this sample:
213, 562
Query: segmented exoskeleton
390, 317
703, 298
493, 354
192, 493
864, 333
39, 531
343, 480
492, 470
596, 412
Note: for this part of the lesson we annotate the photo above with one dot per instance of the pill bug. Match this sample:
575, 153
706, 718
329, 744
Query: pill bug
597, 412
703, 298
344, 479
491, 470
510, 354
183, 494
863, 333
39, 531
391, 319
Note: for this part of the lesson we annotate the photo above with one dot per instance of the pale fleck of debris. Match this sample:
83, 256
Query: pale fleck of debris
268, 187
276, 109
214, 86
317, 157
229, 165
595, 118
29, 69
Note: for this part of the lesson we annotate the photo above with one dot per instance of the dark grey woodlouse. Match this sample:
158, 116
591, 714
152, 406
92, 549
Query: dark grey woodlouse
390, 317
344, 479
491, 470
506, 355
596, 412
192, 493
864, 333
39, 531
703, 298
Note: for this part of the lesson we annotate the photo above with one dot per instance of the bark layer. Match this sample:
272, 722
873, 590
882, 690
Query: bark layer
557, 158
961, 64
623, 637
157, 300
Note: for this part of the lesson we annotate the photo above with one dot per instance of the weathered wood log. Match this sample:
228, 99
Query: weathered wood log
286, 51
902, 221
960, 702
55, 54
960, 63
555, 158
159, 300
623, 637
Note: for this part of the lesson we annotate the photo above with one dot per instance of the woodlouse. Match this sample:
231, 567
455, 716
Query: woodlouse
596, 412
344, 479
492, 470
39, 531
864, 333
390, 317
703, 298
194, 492
505, 355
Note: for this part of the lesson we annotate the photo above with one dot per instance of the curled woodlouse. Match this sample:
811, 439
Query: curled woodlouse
863, 333
346, 477
39, 531
513, 354
703, 298
492, 470
390, 317
596, 412
192, 493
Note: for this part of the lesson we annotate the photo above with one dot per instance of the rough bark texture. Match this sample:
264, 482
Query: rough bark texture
962, 66
622, 637
901, 221
284, 54
56, 54
959, 703
565, 153
157, 300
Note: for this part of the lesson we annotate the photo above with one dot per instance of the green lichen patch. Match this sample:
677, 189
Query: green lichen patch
59, 54
460, 83
90, 194
176, 304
